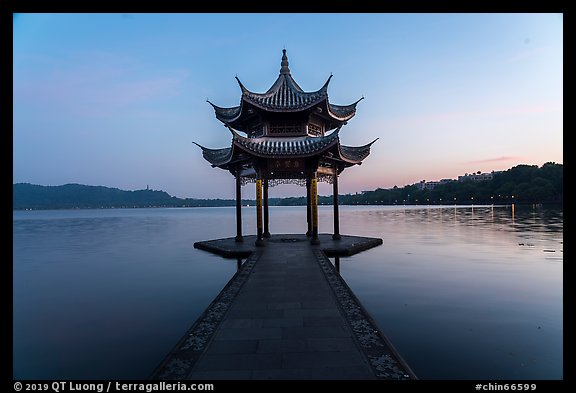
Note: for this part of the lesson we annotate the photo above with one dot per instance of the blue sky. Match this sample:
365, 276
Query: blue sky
117, 99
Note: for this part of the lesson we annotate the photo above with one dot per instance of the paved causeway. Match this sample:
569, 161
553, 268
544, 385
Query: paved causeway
286, 314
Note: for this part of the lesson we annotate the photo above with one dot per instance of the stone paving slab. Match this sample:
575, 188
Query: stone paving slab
286, 314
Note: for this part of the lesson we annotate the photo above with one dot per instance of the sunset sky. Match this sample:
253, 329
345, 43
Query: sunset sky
117, 99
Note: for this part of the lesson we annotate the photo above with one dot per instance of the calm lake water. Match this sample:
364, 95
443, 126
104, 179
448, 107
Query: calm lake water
462, 292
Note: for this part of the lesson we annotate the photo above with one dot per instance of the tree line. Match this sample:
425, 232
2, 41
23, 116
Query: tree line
520, 184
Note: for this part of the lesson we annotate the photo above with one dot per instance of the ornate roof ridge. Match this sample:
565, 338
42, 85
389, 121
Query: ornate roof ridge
242, 87
221, 107
285, 93
366, 145
206, 148
226, 115
355, 154
216, 157
286, 81
344, 112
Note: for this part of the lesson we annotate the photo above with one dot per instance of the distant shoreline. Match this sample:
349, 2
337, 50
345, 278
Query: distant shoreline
522, 184
523, 204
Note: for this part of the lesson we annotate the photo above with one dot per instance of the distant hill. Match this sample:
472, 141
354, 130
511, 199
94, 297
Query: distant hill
78, 196
520, 184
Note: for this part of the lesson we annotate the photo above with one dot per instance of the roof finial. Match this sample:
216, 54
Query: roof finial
284, 70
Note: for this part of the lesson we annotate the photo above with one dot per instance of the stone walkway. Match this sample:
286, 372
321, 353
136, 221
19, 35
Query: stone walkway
286, 314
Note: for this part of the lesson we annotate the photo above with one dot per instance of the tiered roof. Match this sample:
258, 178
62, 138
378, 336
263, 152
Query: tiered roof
285, 95
293, 147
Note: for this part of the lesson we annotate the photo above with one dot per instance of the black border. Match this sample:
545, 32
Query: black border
9, 7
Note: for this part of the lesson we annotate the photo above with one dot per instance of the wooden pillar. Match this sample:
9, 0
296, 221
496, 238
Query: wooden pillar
308, 209
336, 235
238, 237
266, 215
259, 240
314, 208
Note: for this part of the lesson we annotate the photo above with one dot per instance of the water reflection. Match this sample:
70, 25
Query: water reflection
104, 294
475, 296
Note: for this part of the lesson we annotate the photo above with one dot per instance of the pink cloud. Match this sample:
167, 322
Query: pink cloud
496, 159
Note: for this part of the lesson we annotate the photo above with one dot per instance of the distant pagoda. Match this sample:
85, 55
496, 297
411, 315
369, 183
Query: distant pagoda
291, 136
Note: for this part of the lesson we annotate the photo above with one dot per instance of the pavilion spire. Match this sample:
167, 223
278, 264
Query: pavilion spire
284, 70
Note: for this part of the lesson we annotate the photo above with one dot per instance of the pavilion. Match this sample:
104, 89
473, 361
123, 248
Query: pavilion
289, 136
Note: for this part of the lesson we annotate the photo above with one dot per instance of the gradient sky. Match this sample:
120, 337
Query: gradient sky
117, 99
